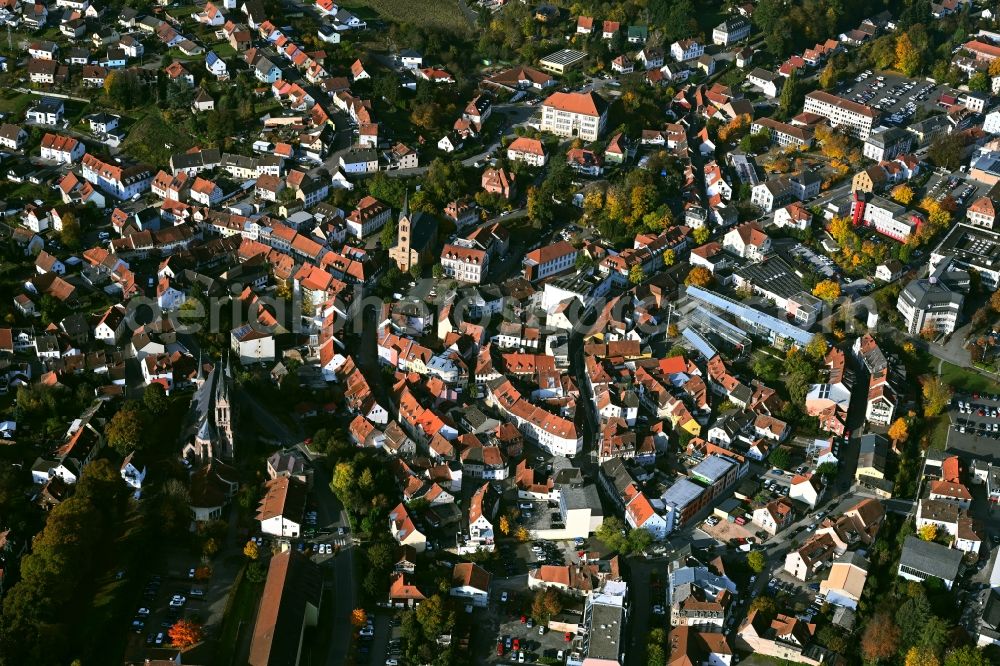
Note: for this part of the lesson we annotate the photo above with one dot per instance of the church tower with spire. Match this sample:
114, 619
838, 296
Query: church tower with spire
415, 235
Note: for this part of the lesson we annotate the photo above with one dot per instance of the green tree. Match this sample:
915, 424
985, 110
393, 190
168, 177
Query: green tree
765, 605
154, 399
911, 617
124, 431
612, 534
388, 235
386, 86
966, 655
827, 470
979, 82
780, 458
701, 235
756, 561
791, 94
636, 274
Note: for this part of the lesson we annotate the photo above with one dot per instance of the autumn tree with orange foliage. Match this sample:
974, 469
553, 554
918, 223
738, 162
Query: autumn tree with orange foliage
735, 127
827, 290
881, 638
699, 276
359, 617
185, 633
898, 431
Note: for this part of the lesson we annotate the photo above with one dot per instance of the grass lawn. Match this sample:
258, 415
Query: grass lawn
433, 13
14, 103
938, 433
965, 380
239, 619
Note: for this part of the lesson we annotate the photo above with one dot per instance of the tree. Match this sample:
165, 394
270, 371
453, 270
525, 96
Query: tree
612, 534
791, 94
540, 207
251, 550
71, 234
437, 271
185, 633
780, 458
995, 301
881, 638
912, 616
921, 657
434, 616
504, 525
828, 77
765, 606
124, 430
898, 431
359, 617
669, 258
979, 82
154, 399
902, 194
827, 290
388, 235
545, 604
636, 274
699, 276
756, 561
928, 532
817, 347
522, 534
701, 235
907, 56
966, 655
655, 655
827, 470
937, 396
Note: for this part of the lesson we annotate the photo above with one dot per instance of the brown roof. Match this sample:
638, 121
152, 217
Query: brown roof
589, 103
283, 496
472, 575
293, 582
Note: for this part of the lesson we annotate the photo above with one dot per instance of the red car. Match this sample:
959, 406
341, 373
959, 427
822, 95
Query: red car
524, 619
517, 644
568, 637
499, 648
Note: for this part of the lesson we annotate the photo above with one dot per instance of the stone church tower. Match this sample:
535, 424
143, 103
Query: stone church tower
214, 413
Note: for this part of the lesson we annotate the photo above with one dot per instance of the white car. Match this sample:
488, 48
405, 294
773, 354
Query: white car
503, 596
177, 601
658, 610
367, 632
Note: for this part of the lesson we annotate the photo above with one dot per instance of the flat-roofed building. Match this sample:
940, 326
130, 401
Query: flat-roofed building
562, 61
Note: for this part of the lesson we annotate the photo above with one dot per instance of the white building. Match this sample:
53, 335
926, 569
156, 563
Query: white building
464, 261
855, 119
282, 510
574, 115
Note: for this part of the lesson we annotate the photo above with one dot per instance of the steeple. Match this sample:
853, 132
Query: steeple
405, 213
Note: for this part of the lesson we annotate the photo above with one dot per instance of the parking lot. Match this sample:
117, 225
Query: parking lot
897, 97
165, 600
823, 265
520, 640
976, 415
955, 185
